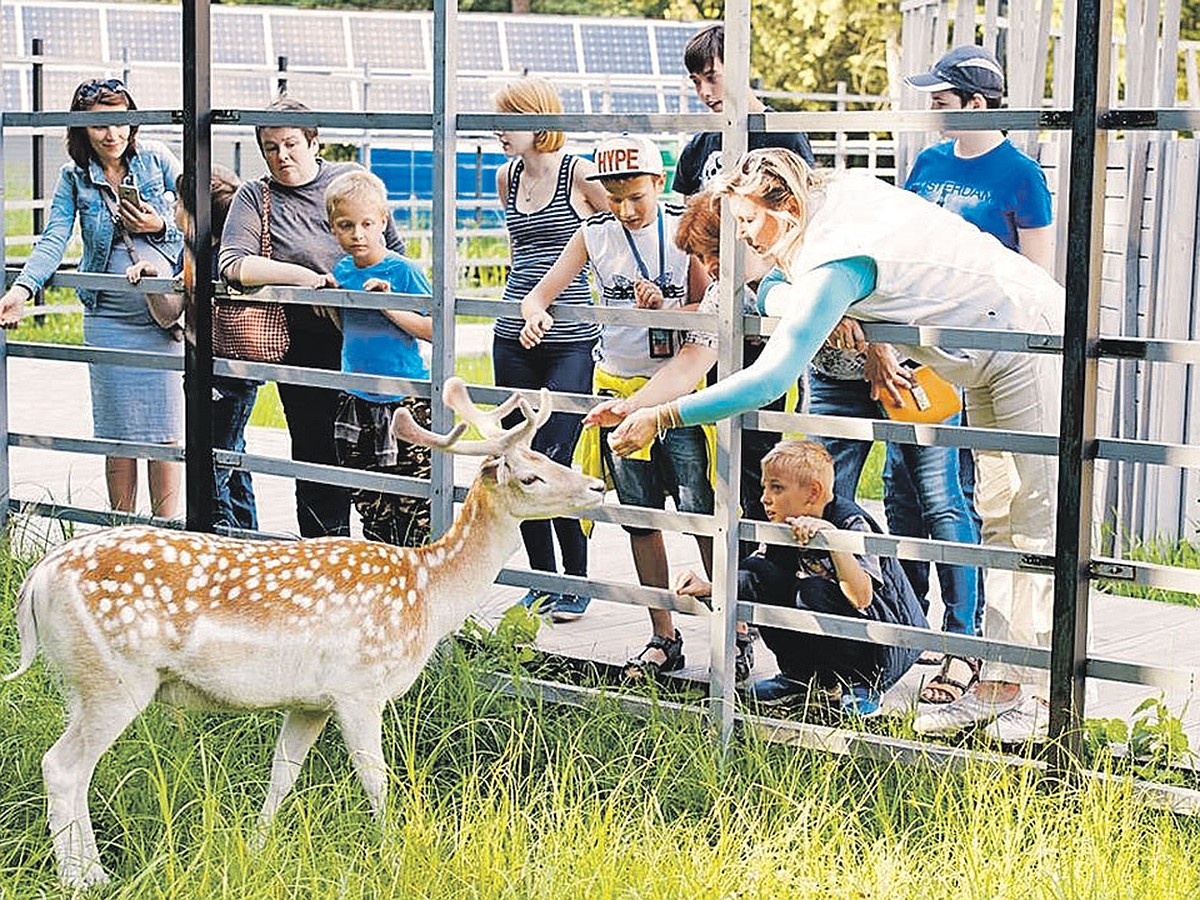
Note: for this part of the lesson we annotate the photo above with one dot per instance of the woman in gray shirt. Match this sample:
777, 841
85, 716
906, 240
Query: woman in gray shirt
303, 251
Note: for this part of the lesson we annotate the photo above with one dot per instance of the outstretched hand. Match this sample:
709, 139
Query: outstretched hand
12, 306
637, 431
608, 413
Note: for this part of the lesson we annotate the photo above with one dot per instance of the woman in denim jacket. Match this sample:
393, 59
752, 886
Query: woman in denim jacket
128, 404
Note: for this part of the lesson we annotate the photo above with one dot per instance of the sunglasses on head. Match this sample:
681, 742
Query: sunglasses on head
96, 87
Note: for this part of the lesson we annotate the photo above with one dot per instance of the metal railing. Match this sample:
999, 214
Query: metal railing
1077, 447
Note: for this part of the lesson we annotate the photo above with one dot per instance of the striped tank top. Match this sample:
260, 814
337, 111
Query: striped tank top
536, 240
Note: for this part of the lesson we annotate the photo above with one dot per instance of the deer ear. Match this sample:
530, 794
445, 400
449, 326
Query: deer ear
493, 467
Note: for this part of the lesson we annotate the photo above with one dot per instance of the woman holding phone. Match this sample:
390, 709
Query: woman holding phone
120, 189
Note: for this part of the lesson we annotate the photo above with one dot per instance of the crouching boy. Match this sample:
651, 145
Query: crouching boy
797, 490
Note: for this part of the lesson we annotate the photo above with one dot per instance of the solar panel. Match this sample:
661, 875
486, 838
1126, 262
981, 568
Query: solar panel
388, 41
476, 96
12, 90
158, 88
670, 41
236, 90
69, 32
626, 101
616, 49
319, 92
10, 34
239, 38
479, 45
538, 47
400, 95
572, 99
149, 35
58, 85
308, 40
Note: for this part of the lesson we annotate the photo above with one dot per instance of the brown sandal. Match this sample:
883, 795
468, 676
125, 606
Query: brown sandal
955, 678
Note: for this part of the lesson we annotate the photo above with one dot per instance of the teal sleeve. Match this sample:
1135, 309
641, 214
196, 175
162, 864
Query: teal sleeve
815, 303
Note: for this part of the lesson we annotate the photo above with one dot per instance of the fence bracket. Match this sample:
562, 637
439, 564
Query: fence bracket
1040, 562
1056, 118
226, 116
1128, 118
1118, 571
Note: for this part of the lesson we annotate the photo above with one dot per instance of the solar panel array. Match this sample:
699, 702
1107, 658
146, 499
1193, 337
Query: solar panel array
615, 65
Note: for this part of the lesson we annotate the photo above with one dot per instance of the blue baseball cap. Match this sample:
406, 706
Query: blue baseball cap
968, 68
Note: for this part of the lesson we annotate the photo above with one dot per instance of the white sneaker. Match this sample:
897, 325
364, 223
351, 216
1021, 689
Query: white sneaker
966, 712
1027, 723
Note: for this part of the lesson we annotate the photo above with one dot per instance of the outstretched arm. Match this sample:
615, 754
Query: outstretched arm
811, 307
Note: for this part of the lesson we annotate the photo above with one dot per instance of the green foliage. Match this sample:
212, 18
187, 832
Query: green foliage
1152, 742
1180, 553
509, 645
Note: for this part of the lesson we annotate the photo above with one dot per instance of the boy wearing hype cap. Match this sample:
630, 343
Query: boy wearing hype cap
636, 263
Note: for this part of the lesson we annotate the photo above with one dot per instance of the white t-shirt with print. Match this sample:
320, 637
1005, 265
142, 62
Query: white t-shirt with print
624, 350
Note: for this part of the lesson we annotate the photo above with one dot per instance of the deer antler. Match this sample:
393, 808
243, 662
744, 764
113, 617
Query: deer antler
455, 396
497, 443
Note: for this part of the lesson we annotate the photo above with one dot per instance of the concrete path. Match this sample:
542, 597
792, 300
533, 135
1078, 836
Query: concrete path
52, 398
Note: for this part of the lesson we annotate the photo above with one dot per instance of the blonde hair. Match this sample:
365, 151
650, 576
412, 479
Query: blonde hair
357, 184
805, 461
533, 95
771, 177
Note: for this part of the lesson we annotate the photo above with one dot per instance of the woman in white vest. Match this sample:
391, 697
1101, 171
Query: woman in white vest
850, 244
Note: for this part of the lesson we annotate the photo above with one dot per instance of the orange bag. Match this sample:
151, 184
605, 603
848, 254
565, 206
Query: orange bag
931, 400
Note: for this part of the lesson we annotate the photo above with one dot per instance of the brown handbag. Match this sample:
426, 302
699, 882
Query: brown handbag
930, 400
251, 331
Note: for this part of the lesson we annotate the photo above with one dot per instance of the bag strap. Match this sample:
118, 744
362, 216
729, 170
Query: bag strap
265, 239
119, 225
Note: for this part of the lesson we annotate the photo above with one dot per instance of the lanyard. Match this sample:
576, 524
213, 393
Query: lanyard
637, 257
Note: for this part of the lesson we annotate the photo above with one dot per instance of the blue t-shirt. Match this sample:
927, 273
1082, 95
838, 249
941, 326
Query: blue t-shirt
998, 192
371, 342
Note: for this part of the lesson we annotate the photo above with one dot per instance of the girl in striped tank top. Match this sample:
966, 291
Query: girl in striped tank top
546, 198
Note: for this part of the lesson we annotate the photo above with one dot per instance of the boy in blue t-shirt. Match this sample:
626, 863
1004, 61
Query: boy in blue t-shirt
378, 342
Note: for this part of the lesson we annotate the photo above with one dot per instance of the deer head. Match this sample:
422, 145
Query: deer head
527, 484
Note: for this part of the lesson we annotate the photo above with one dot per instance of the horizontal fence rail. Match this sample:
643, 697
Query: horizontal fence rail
842, 121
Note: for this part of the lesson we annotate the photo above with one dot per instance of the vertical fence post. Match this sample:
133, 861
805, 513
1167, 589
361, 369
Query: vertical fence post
445, 263
839, 152
1077, 441
4, 455
281, 82
723, 622
197, 162
37, 145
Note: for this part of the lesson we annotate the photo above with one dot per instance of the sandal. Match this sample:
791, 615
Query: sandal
953, 680
646, 664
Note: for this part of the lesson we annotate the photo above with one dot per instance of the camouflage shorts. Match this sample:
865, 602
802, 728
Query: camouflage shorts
364, 440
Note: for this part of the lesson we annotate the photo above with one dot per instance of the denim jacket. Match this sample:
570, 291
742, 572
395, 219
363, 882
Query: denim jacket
78, 192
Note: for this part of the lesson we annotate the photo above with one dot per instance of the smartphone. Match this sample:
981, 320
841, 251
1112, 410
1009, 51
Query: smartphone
129, 192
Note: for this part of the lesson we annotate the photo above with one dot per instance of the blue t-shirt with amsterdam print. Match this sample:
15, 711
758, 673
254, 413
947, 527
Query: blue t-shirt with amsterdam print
998, 192
372, 343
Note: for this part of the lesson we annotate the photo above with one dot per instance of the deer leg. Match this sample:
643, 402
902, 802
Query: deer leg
95, 723
299, 732
362, 730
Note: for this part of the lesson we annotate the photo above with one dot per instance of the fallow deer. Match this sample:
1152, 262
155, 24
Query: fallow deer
324, 627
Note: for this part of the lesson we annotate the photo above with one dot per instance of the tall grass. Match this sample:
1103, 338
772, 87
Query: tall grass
498, 797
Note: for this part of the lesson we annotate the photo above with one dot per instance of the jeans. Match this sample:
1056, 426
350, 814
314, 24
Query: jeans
233, 491
559, 366
922, 497
678, 466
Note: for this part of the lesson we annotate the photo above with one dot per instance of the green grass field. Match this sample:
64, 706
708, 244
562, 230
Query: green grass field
494, 797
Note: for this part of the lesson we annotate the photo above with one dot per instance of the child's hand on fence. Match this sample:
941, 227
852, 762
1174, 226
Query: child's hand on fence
647, 294
804, 527
377, 284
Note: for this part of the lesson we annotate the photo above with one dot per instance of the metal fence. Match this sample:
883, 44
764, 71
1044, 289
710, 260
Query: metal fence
1073, 564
